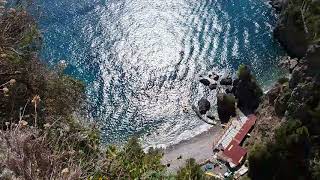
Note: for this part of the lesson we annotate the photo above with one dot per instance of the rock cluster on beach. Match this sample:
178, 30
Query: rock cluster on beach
211, 80
204, 105
243, 92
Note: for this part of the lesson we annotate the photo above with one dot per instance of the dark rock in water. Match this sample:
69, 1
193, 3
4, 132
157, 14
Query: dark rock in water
247, 91
216, 77
213, 86
226, 107
226, 81
204, 105
229, 90
168, 165
205, 82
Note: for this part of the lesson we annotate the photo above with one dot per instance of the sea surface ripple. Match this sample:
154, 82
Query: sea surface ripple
128, 54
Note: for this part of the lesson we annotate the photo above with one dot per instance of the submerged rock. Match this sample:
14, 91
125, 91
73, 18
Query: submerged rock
216, 77
204, 105
205, 81
213, 86
226, 81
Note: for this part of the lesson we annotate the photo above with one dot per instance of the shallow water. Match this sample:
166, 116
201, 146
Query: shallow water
128, 53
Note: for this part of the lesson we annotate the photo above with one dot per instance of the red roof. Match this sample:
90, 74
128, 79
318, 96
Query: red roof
245, 128
234, 152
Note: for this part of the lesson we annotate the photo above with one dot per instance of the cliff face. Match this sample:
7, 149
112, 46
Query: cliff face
288, 129
291, 37
298, 26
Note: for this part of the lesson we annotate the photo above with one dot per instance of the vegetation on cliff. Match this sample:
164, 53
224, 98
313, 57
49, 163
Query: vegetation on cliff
299, 25
294, 151
41, 136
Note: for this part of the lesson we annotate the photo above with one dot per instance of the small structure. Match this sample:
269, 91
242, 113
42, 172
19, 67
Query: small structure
240, 172
234, 154
228, 147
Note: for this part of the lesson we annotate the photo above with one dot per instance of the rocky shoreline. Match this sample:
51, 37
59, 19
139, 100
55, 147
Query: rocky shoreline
291, 108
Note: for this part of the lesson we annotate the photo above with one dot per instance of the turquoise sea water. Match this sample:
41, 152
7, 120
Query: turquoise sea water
128, 54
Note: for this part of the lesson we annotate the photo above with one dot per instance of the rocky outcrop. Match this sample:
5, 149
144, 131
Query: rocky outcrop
304, 97
226, 81
205, 81
293, 39
299, 73
290, 31
281, 102
247, 91
213, 86
313, 58
273, 93
226, 107
279, 5
204, 105
288, 63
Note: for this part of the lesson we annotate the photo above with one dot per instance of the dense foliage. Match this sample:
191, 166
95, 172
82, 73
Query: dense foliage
294, 151
191, 171
306, 14
286, 158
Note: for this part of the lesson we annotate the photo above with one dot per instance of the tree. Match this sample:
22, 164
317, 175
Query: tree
191, 171
285, 158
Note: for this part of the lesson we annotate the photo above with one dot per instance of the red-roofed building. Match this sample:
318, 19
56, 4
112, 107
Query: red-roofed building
234, 154
246, 127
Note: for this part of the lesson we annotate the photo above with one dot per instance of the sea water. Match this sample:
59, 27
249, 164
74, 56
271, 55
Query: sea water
141, 59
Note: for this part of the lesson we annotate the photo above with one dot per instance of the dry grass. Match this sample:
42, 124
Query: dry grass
27, 155
59, 151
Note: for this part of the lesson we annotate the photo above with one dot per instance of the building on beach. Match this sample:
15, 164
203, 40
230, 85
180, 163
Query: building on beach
228, 146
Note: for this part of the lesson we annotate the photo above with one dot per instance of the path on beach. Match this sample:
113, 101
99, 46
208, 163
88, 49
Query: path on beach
198, 147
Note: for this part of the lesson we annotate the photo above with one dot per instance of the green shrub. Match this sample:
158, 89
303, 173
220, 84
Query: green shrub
244, 72
283, 80
192, 170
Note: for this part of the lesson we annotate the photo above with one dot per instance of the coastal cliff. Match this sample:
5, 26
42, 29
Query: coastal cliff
286, 138
298, 25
